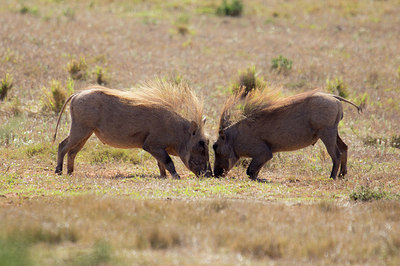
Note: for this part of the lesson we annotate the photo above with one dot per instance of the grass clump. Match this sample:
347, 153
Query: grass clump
107, 154
393, 141
29, 10
78, 69
100, 254
337, 86
182, 24
248, 80
366, 193
14, 252
55, 96
281, 64
157, 238
398, 72
5, 86
101, 76
232, 9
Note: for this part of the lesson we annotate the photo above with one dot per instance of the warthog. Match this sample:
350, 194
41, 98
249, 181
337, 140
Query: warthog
268, 125
160, 117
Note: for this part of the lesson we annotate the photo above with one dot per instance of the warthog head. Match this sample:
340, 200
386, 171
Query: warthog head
225, 157
198, 159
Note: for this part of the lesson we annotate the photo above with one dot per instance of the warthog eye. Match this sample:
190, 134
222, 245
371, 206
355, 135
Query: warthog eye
202, 144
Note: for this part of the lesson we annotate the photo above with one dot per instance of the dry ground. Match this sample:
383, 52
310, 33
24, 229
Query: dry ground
115, 210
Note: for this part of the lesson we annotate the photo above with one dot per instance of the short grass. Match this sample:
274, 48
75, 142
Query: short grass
115, 210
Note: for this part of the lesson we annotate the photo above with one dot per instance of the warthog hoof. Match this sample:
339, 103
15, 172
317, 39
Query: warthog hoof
58, 171
176, 177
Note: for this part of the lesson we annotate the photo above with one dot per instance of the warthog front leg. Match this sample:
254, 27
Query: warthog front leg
257, 163
163, 173
162, 158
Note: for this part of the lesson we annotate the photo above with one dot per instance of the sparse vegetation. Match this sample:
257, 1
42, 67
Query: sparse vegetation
337, 86
281, 64
55, 96
233, 8
6, 85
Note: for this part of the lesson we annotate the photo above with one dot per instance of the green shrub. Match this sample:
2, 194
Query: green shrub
337, 86
365, 193
281, 64
5, 86
232, 9
248, 80
78, 69
55, 97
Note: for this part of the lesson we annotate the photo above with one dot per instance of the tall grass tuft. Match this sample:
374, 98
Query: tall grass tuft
337, 86
78, 69
5, 86
101, 76
55, 96
248, 80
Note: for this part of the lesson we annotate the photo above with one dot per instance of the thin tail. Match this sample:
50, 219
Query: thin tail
59, 116
359, 109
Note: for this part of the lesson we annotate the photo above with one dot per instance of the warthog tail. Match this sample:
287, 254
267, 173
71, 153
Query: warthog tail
59, 116
359, 109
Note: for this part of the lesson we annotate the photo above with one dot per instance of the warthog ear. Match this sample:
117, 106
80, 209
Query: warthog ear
193, 128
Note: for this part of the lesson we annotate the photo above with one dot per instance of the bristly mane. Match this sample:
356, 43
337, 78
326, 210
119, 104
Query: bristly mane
238, 107
178, 98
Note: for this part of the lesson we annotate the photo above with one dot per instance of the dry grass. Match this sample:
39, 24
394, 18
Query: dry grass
115, 210
202, 231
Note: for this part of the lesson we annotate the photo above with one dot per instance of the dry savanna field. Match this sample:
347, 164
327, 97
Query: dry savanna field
115, 210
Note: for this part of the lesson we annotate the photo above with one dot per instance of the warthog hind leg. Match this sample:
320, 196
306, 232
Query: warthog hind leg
72, 154
329, 137
60, 156
343, 159
77, 137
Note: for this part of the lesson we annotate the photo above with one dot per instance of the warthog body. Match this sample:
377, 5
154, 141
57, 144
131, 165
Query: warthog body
272, 126
160, 118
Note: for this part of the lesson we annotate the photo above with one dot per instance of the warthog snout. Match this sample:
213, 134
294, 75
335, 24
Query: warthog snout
218, 172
